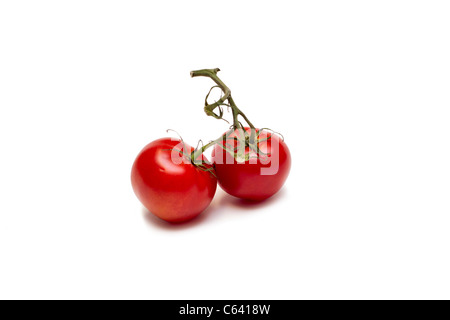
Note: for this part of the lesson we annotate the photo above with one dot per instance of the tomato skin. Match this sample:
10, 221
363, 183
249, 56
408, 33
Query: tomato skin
244, 179
174, 192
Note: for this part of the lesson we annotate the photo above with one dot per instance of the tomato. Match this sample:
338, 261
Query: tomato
168, 184
259, 176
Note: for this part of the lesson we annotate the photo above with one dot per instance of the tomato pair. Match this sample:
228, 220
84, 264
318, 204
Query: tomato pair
176, 182
174, 187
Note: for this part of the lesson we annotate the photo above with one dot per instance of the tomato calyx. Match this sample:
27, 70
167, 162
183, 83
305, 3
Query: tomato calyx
195, 158
198, 162
237, 144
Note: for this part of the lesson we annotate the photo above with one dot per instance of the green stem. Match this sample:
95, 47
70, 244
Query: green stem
198, 152
212, 73
209, 108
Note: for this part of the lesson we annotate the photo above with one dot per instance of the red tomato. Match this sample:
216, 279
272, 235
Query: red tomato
168, 184
256, 178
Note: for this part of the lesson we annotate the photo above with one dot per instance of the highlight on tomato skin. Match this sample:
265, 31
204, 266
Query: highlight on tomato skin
168, 184
253, 175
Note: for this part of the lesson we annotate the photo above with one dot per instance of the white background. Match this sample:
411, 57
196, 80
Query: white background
360, 90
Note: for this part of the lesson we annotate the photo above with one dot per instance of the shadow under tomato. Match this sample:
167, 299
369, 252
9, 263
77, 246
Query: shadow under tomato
220, 204
228, 201
160, 223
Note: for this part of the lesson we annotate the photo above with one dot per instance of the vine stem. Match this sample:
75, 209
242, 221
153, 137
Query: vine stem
245, 139
209, 108
198, 152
